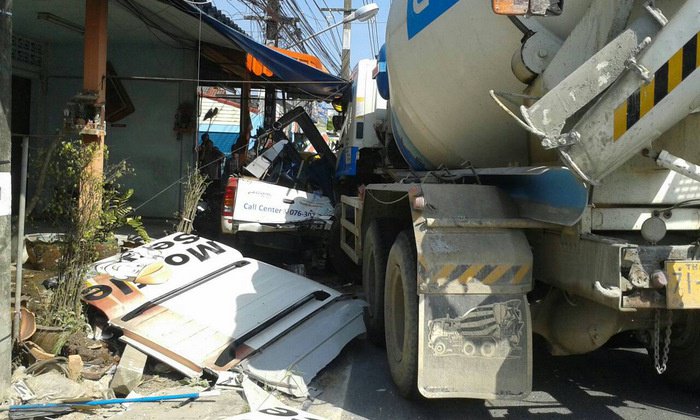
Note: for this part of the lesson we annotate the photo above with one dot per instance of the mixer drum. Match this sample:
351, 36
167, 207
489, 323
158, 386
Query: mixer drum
443, 57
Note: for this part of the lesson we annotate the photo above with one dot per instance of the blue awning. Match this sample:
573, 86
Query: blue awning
296, 75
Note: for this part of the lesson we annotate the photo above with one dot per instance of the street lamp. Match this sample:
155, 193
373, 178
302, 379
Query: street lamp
361, 14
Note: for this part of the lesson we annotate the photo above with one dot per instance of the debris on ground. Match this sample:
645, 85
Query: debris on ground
75, 366
264, 405
257, 397
200, 305
290, 363
129, 371
52, 385
180, 316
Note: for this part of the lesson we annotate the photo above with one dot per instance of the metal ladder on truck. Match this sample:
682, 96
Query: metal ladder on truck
638, 86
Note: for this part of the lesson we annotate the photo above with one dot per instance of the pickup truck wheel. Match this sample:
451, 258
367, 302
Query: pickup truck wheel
488, 349
683, 368
375, 250
401, 315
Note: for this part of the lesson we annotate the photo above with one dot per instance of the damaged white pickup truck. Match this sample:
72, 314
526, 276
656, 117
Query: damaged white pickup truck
251, 205
284, 198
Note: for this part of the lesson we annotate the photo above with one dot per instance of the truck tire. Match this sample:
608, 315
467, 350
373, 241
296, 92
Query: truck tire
375, 250
469, 348
401, 315
440, 348
683, 369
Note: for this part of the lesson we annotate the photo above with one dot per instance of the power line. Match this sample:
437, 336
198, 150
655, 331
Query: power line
314, 44
335, 37
325, 47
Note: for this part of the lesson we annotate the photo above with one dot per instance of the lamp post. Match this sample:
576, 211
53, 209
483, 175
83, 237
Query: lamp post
362, 14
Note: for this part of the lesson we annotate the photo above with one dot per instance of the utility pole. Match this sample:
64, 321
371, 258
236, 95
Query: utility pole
347, 29
345, 57
272, 32
5, 195
245, 123
273, 23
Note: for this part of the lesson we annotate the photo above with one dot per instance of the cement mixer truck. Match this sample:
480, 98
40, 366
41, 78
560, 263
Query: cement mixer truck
529, 154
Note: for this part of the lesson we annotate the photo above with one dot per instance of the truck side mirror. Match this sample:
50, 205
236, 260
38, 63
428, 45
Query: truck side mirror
338, 121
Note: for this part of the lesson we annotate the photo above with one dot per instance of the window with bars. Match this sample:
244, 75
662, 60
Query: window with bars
27, 51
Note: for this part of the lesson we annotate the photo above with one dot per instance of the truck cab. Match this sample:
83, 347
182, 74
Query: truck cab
366, 110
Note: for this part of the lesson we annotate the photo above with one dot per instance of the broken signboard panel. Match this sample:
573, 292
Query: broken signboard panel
202, 305
123, 282
291, 362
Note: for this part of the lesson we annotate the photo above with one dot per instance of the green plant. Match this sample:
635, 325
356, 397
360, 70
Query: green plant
116, 212
106, 203
91, 205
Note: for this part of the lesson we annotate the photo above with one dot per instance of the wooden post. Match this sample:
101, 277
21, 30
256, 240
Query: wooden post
95, 48
5, 185
95, 81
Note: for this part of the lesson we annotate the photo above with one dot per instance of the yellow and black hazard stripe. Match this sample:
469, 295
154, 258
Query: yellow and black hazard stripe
487, 274
685, 61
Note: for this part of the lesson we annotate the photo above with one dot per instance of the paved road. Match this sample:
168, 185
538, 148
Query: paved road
610, 383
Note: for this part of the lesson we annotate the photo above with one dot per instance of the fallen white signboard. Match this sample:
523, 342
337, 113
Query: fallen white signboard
197, 304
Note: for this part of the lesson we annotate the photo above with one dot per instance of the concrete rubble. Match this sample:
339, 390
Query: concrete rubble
129, 372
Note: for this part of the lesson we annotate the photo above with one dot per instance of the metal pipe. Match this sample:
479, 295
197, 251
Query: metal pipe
186, 79
112, 401
20, 236
679, 165
335, 25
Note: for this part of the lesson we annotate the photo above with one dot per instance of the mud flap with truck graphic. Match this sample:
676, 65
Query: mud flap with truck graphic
474, 324
485, 353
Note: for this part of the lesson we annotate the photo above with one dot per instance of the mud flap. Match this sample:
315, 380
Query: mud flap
474, 346
474, 324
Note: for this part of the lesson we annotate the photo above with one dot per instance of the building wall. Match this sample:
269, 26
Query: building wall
145, 139
229, 112
158, 153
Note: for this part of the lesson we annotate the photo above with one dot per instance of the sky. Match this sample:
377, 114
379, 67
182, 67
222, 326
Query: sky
360, 47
